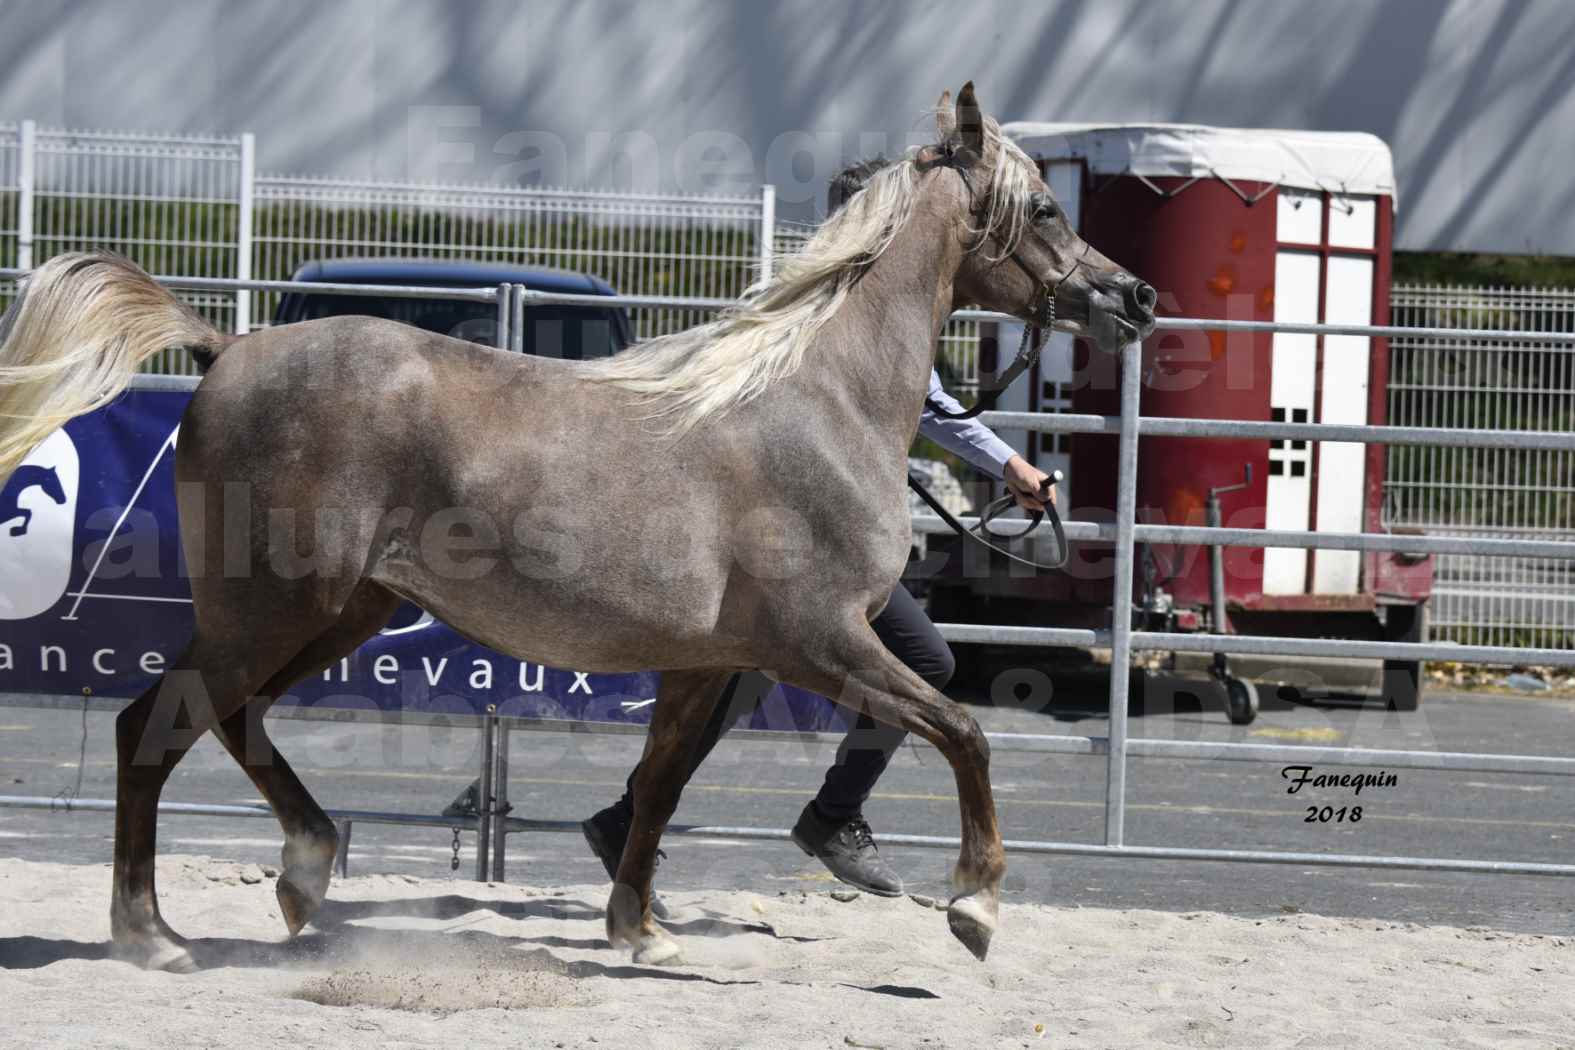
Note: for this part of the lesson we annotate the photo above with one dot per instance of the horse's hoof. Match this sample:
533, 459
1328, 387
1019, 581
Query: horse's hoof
973, 924
295, 904
154, 952
308, 868
654, 951
172, 958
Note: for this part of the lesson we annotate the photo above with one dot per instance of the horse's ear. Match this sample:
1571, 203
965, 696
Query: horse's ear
970, 120
945, 118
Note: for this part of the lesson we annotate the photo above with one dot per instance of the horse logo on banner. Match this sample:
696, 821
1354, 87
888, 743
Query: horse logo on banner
38, 508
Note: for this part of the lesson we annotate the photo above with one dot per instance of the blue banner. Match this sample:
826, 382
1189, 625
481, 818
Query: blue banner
93, 597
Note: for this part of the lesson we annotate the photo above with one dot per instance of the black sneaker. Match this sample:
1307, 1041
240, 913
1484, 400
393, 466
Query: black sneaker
606, 833
848, 851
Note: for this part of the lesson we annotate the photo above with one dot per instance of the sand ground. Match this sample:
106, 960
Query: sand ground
400, 961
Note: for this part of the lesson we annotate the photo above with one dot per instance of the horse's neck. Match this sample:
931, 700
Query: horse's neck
889, 325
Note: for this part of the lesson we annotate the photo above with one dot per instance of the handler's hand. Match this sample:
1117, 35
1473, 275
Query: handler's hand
1026, 483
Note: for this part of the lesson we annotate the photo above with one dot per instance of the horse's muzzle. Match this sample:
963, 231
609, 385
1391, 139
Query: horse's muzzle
1120, 311
1139, 298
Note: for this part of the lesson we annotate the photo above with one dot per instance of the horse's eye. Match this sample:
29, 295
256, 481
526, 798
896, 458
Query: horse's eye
1043, 207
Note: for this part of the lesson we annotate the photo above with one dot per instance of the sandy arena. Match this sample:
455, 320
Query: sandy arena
401, 961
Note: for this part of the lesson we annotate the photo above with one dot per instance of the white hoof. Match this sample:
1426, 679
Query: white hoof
973, 922
655, 951
295, 904
302, 887
172, 958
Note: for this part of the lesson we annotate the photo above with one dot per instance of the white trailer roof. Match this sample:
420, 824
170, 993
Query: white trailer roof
1337, 161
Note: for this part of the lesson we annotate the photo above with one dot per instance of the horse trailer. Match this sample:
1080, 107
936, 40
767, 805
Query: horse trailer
1257, 225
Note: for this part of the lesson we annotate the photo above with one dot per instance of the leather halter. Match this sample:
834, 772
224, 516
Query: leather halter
1041, 314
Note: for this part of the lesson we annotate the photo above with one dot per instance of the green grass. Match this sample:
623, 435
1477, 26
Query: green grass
1539, 271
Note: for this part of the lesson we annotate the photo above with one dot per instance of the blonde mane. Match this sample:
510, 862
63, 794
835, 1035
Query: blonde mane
704, 372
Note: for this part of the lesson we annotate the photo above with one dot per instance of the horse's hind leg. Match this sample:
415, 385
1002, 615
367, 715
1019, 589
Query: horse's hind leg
862, 675
310, 839
684, 701
140, 933
209, 682
244, 637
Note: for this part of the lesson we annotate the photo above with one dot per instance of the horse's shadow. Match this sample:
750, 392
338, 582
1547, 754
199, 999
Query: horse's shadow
337, 936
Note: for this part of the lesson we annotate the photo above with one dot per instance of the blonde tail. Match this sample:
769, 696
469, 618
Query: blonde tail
74, 338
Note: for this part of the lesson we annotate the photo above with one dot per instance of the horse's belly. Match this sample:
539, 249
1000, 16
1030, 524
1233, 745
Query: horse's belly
587, 621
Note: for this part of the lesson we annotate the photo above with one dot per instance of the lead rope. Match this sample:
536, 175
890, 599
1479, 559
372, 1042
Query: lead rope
981, 530
1027, 354
1028, 350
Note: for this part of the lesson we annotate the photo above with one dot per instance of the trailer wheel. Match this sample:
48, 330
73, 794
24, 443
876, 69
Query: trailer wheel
1241, 701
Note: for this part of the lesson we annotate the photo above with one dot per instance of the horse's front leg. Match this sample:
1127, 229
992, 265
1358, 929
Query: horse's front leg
20, 528
861, 674
684, 702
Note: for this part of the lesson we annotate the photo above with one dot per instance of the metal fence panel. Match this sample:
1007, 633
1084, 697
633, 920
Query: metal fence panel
10, 197
170, 203
1500, 493
641, 244
174, 204
1121, 638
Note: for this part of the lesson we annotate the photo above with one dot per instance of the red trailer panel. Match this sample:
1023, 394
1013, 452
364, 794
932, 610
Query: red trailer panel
1243, 225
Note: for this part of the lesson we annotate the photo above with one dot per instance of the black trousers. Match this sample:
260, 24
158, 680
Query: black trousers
868, 747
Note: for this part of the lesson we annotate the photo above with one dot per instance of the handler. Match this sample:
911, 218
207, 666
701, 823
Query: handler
832, 827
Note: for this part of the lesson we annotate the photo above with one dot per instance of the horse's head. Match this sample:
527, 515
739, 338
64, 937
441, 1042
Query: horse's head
1022, 253
49, 481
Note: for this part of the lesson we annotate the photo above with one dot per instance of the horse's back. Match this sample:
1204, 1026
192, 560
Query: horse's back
322, 393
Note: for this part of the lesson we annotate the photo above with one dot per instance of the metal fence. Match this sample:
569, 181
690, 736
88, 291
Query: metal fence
1123, 640
1522, 381
195, 206
171, 203
641, 244
493, 823
10, 200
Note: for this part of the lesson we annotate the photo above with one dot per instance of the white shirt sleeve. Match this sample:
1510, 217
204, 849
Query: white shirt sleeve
968, 438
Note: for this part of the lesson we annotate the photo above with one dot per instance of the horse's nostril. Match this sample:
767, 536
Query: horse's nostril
1143, 296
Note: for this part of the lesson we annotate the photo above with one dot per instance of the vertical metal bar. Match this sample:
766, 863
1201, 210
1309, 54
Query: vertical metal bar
489, 727
243, 233
768, 230
1216, 568
342, 854
500, 807
1121, 599
24, 205
503, 339
517, 324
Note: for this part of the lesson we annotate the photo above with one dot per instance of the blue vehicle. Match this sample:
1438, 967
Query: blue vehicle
573, 332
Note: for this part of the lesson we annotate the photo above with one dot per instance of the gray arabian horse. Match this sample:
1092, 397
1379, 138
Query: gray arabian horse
730, 497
